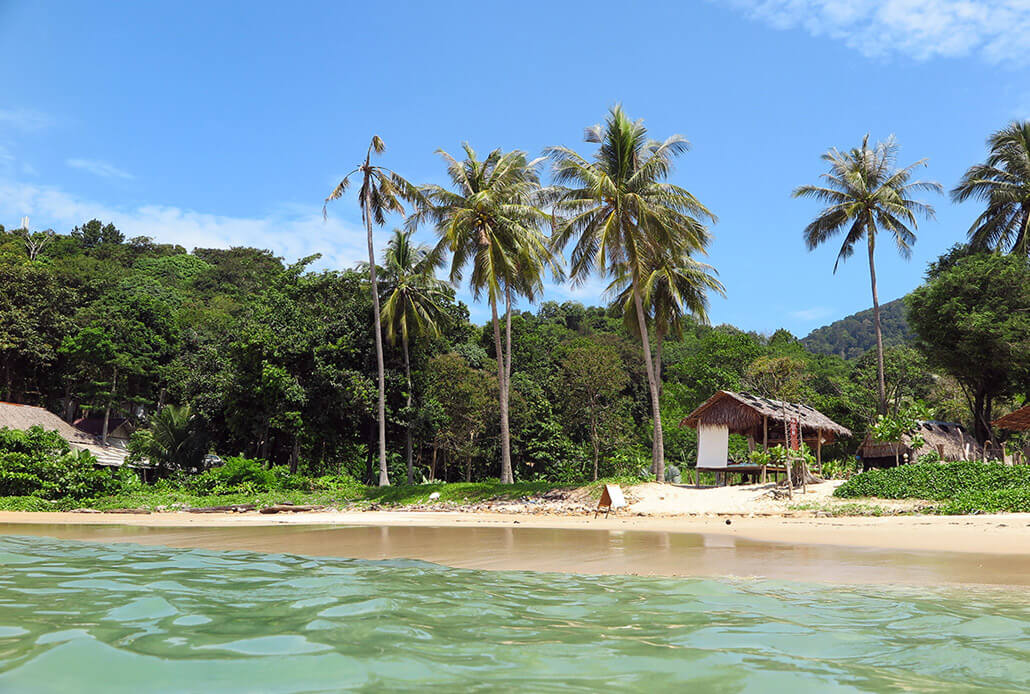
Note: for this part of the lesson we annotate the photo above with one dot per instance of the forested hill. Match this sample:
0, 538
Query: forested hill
851, 337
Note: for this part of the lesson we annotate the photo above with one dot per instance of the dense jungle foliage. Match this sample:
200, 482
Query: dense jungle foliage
276, 362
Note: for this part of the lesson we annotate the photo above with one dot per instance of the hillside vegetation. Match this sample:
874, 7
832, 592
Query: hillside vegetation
853, 336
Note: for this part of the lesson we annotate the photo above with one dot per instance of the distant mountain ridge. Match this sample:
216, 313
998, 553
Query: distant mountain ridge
852, 336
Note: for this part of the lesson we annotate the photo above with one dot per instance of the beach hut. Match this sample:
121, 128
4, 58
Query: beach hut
948, 440
1016, 421
24, 417
761, 421
119, 429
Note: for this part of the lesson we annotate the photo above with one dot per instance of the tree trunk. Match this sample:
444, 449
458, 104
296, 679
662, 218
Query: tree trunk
507, 330
295, 455
107, 410
593, 440
407, 442
981, 421
789, 450
384, 478
432, 465
506, 475
658, 339
881, 386
659, 444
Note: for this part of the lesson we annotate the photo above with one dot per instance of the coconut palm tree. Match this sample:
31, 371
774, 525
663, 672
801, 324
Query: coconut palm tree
1003, 182
414, 299
621, 210
673, 289
492, 221
381, 193
865, 193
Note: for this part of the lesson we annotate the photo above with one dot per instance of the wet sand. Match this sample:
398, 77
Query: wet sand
980, 550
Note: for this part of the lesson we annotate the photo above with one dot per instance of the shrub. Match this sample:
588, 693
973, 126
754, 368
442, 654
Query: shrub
237, 475
936, 481
1012, 499
40, 463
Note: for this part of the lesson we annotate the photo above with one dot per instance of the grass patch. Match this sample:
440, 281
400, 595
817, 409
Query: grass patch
167, 497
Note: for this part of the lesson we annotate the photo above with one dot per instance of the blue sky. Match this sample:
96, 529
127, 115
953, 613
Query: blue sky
210, 125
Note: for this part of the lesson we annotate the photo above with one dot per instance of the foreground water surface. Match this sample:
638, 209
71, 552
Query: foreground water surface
91, 617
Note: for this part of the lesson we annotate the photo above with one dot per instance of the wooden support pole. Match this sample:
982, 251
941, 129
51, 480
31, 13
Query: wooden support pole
819, 451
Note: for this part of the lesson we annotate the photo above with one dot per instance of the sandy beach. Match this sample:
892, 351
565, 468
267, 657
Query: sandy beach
979, 550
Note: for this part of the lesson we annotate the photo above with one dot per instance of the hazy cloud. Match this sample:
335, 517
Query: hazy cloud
996, 30
25, 119
811, 314
291, 232
99, 168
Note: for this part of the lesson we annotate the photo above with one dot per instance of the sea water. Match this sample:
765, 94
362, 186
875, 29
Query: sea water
91, 617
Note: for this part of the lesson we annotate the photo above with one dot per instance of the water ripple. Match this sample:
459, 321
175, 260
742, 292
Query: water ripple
122, 618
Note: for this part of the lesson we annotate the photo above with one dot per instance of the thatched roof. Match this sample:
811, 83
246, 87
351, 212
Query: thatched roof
948, 439
745, 414
1016, 421
13, 416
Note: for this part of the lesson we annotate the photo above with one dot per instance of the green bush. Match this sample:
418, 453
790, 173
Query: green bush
936, 481
237, 475
1013, 499
41, 464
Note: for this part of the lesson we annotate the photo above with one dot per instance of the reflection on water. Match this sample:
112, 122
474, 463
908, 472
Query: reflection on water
85, 617
580, 551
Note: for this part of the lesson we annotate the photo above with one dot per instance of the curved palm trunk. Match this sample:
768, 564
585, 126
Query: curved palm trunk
659, 442
881, 386
384, 478
658, 339
407, 442
506, 476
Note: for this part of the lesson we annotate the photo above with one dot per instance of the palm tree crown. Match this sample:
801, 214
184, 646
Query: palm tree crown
414, 296
1003, 182
619, 205
865, 193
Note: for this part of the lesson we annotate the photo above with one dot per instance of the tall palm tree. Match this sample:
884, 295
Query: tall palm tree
414, 299
1003, 182
381, 192
865, 193
621, 210
492, 221
673, 288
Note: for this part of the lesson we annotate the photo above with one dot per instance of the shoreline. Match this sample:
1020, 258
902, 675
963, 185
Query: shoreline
998, 534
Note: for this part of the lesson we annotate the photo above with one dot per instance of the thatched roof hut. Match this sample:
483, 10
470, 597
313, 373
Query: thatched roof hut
949, 440
762, 419
1016, 421
23, 417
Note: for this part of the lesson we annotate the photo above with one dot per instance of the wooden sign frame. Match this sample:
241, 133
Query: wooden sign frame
612, 499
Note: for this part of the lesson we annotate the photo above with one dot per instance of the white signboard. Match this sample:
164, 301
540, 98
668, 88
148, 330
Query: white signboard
615, 497
611, 499
713, 446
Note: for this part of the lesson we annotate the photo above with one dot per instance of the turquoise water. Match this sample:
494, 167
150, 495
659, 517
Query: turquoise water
85, 617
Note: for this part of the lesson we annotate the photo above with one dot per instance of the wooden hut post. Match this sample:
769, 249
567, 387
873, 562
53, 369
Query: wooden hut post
819, 450
765, 441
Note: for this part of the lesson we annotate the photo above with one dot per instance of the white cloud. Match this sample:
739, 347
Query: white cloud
25, 119
99, 168
811, 314
291, 232
996, 30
